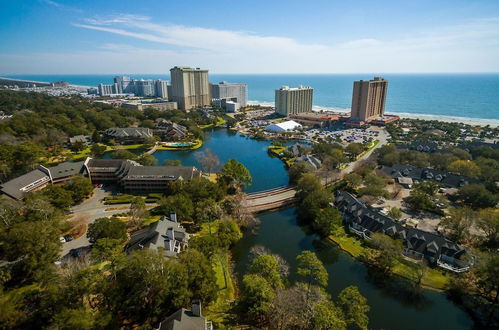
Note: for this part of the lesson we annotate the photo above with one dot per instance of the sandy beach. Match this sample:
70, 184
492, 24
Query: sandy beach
449, 119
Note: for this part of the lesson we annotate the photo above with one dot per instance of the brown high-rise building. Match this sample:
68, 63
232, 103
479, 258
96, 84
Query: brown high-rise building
368, 99
190, 87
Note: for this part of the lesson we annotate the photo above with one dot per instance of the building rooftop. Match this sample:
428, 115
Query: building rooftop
66, 169
161, 172
17, 187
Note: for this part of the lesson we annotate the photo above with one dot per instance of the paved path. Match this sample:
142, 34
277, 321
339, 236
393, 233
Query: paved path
90, 210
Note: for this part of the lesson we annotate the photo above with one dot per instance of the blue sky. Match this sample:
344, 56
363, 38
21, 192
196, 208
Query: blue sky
272, 36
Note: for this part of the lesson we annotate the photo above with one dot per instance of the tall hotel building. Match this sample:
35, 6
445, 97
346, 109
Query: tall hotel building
225, 90
190, 87
368, 99
291, 101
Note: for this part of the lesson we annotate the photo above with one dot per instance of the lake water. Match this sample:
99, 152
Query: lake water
267, 172
437, 95
391, 308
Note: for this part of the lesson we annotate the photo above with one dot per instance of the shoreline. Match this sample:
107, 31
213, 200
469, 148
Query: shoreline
406, 115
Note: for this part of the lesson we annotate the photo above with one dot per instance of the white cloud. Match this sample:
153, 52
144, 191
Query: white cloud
470, 47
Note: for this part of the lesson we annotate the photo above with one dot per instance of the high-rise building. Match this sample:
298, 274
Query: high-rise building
139, 87
161, 88
368, 99
144, 87
190, 87
225, 90
291, 101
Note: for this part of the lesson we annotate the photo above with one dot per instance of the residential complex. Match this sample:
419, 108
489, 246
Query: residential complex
128, 134
190, 87
368, 99
418, 244
291, 101
230, 92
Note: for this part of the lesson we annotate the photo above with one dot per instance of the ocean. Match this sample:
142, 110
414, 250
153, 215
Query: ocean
444, 96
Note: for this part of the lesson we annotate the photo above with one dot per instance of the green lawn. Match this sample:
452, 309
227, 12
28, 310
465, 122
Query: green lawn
434, 279
220, 122
219, 311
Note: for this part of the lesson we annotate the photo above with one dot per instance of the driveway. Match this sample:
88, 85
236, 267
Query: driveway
91, 209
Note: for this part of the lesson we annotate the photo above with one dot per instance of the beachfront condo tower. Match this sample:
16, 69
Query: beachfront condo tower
291, 101
368, 99
190, 87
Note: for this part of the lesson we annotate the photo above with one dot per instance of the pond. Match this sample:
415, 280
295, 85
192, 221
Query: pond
391, 307
267, 172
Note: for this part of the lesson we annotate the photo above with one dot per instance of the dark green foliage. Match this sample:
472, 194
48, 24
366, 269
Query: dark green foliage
476, 196
296, 171
33, 246
107, 228
180, 204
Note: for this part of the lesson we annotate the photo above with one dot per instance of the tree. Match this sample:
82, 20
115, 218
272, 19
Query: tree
326, 221
458, 223
146, 287
256, 297
172, 162
296, 171
207, 211
386, 251
146, 159
138, 211
353, 180
58, 196
228, 233
33, 245
476, 196
311, 269
180, 204
201, 279
80, 188
78, 146
98, 149
312, 205
327, 316
96, 137
354, 306
306, 185
464, 167
488, 221
268, 267
209, 161
80, 318
124, 154
395, 213
235, 173
354, 149
107, 228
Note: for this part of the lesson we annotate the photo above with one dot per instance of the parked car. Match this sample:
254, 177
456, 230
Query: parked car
68, 238
62, 240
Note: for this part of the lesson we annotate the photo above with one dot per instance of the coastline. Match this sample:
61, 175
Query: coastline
420, 116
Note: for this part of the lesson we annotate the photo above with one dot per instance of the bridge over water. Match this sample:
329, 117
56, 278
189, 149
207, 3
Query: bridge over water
270, 199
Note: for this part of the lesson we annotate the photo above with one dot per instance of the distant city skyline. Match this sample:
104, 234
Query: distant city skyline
323, 36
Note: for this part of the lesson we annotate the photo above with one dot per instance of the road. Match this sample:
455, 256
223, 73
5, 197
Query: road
91, 209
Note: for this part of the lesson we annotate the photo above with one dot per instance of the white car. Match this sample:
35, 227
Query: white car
62, 240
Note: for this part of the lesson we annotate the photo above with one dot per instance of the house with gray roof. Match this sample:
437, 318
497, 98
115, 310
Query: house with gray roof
31, 181
170, 131
185, 319
128, 134
436, 249
418, 174
165, 234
